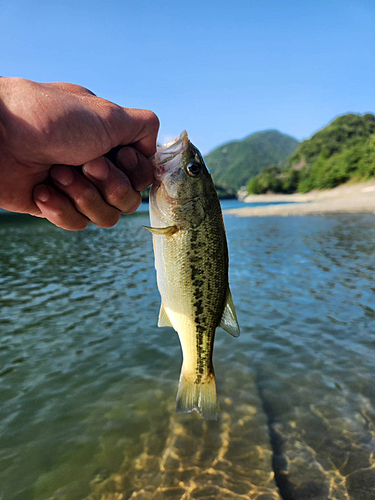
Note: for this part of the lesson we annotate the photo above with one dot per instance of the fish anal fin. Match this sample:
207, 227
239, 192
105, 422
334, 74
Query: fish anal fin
229, 321
164, 318
165, 231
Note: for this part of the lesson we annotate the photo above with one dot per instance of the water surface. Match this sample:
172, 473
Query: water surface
88, 382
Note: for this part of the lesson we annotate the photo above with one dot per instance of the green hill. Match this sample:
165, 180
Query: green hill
232, 164
343, 150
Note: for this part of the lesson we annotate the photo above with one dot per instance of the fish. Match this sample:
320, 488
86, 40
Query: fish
191, 261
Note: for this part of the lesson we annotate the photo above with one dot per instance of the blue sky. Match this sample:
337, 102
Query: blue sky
220, 70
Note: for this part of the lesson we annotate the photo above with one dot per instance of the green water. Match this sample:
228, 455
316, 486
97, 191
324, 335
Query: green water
88, 382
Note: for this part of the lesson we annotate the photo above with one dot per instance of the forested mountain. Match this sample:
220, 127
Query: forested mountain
234, 163
343, 150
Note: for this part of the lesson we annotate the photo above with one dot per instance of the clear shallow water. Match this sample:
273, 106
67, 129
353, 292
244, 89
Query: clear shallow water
88, 382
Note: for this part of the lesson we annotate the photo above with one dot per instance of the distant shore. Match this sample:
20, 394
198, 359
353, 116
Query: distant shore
347, 198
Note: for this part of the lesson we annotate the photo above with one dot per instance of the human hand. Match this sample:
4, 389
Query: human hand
49, 130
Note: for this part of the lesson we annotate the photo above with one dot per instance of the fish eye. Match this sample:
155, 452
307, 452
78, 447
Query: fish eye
193, 169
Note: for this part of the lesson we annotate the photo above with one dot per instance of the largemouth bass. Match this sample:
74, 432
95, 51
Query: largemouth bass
191, 261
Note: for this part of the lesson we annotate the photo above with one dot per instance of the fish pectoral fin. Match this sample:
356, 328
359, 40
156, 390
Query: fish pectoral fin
165, 231
164, 318
229, 321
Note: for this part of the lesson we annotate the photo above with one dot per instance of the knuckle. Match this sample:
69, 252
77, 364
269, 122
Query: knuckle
58, 213
119, 194
112, 110
86, 197
64, 219
111, 116
86, 91
132, 203
72, 88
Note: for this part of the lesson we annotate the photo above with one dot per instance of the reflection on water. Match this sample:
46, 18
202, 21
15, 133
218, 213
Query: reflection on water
88, 382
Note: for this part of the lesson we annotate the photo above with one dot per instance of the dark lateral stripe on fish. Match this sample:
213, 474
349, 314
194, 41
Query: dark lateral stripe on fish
203, 338
197, 282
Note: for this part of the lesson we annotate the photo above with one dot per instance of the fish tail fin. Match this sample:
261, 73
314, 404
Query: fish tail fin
199, 395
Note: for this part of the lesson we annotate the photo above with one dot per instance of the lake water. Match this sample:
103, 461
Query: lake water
227, 204
88, 382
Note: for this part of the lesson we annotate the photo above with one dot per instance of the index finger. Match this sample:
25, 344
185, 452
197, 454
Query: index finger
148, 123
129, 127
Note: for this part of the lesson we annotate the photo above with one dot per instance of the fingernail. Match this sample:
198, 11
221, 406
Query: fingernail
63, 175
98, 169
42, 193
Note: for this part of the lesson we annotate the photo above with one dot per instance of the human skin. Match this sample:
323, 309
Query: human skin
53, 138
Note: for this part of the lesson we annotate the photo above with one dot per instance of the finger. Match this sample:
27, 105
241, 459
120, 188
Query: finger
58, 209
125, 126
148, 123
137, 168
113, 184
85, 196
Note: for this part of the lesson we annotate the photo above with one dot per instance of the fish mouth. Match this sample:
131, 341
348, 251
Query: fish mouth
168, 152
156, 186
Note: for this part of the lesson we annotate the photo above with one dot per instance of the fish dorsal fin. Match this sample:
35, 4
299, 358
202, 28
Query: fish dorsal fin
164, 318
165, 231
229, 321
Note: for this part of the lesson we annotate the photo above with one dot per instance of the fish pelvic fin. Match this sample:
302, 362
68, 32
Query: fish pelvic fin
199, 395
164, 318
229, 321
164, 231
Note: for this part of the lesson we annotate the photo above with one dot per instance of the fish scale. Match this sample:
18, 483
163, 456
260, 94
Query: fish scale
194, 286
191, 260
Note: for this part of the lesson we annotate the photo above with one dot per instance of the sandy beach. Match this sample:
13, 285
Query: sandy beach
348, 198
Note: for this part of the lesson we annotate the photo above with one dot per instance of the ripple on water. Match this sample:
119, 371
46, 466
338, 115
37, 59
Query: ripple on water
185, 457
87, 381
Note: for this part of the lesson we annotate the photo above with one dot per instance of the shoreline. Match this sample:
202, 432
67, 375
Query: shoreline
346, 198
